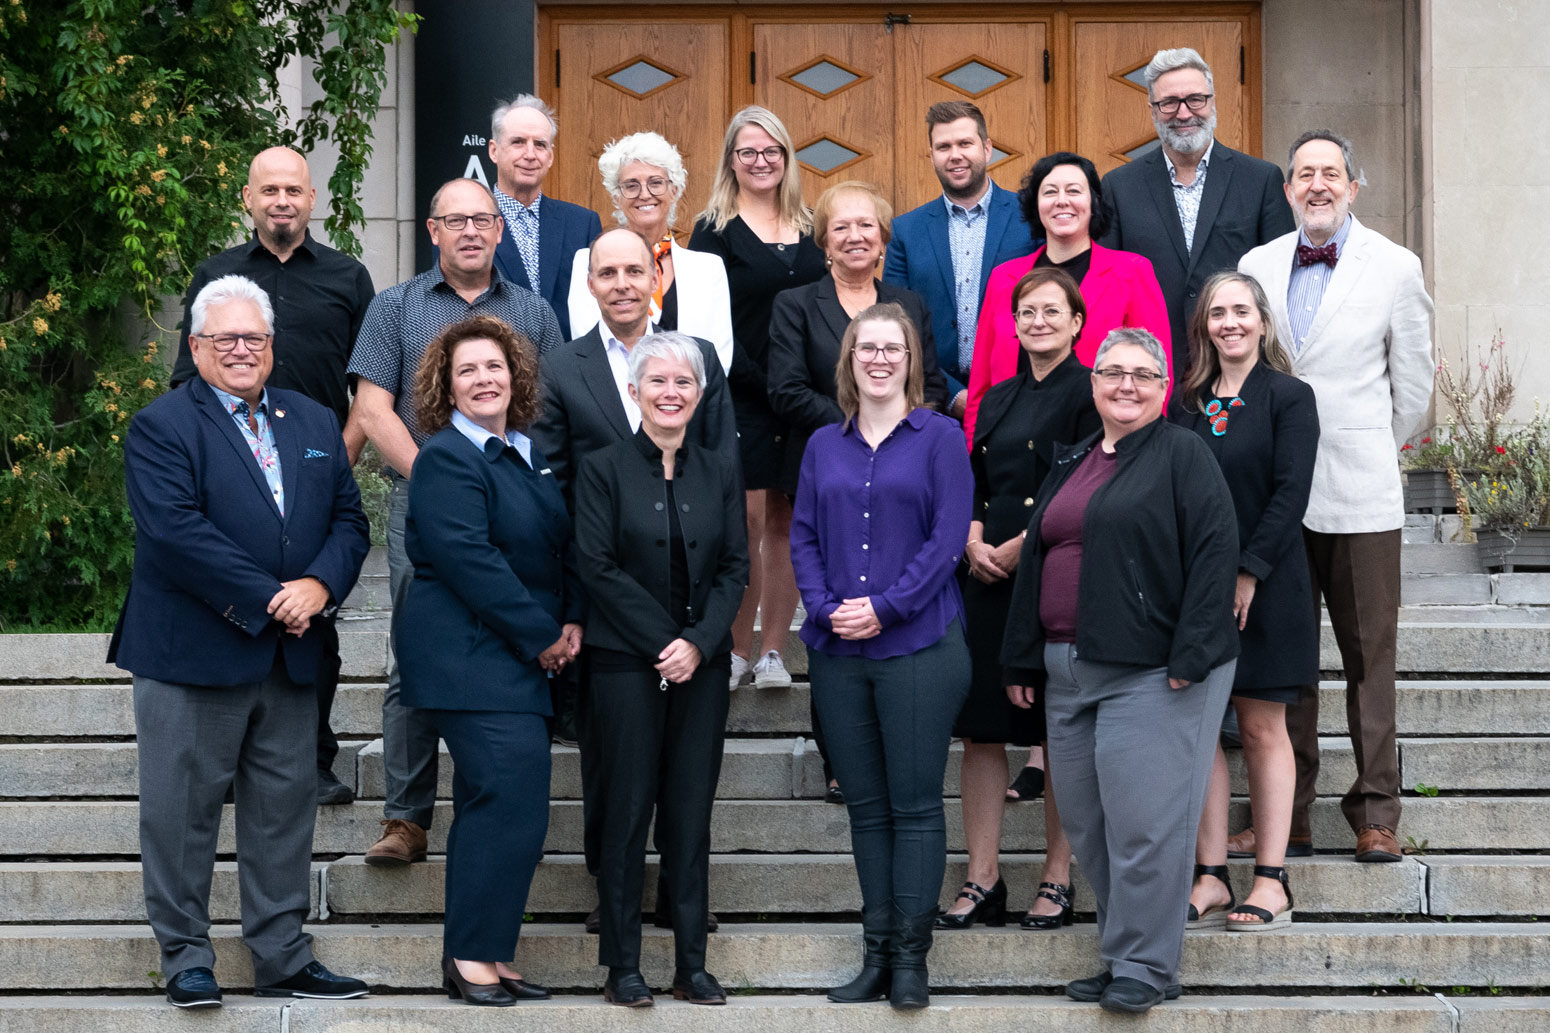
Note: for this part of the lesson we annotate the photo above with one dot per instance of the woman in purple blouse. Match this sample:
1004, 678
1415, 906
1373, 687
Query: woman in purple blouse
882, 514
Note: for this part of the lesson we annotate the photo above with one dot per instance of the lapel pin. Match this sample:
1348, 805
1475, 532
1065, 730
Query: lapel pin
279, 414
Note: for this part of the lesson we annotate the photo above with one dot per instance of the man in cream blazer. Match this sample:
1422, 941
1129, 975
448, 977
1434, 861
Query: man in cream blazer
1354, 314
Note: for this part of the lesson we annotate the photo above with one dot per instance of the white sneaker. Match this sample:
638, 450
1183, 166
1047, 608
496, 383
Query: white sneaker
740, 671
770, 673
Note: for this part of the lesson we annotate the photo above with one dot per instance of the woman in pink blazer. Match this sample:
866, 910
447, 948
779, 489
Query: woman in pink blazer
1061, 193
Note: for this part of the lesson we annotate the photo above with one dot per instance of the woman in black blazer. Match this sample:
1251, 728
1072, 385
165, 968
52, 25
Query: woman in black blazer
659, 525
1262, 424
494, 608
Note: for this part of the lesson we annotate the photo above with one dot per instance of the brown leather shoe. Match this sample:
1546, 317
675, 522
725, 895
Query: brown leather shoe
1244, 843
402, 842
1377, 843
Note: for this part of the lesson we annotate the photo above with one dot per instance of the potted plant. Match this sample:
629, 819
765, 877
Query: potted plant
1428, 486
1509, 500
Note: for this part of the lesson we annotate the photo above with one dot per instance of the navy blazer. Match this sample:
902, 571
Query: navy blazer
494, 578
563, 229
211, 547
920, 258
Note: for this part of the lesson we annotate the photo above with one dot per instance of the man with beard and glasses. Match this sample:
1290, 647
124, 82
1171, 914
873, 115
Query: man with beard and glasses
319, 297
945, 249
1193, 206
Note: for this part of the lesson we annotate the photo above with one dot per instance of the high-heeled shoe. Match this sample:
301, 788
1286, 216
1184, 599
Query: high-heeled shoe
521, 989
488, 995
1214, 917
1028, 785
989, 907
1260, 918
1063, 895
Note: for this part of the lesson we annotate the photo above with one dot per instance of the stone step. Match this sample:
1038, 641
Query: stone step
1485, 885
107, 891
38, 829
1445, 589
96, 769
802, 1013
1326, 956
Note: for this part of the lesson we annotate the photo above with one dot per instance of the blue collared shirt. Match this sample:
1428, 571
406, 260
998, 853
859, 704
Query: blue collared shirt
966, 245
522, 224
1306, 288
1187, 198
478, 435
261, 444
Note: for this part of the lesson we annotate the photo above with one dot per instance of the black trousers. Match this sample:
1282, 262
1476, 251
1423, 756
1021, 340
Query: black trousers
653, 745
327, 684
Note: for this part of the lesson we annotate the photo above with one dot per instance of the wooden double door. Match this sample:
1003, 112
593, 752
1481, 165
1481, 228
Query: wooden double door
852, 83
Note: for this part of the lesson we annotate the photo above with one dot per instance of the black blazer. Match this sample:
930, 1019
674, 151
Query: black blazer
1267, 457
622, 535
1159, 562
582, 413
1243, 206
494, 578
806, 327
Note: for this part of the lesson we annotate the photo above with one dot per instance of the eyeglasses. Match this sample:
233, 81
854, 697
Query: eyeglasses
1170, 105
481, 220
1051, 314
226, 342
1140, 377
889, 352
656, 186
749, 155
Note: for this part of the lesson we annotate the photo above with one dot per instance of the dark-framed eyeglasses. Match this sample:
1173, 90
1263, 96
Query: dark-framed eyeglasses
656, 186
1196, 102
457, 221
886, 352
226, 342
1140, 377
749, 155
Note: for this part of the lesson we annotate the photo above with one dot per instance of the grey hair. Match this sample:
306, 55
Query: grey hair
1323, 134
651, 149
1138, 337
223, 291
667, 345
522, 100
1165, 61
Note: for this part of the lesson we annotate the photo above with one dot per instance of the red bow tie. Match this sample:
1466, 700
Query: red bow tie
1313, 255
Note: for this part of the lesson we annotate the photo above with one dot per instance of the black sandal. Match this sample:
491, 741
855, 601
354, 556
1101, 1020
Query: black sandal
991, 902
1264, 919
1028, 785
1063, 895
1215, 917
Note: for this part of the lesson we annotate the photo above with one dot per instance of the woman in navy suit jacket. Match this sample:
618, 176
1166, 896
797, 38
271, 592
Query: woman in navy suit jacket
493, 610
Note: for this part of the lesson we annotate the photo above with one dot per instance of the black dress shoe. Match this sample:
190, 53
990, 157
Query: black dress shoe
698, 987
331, 791
594, 922
1091, 988
989, 907
522, 990
194, 988
315, 981
1130, 995
484, 995
625, 987
832, 794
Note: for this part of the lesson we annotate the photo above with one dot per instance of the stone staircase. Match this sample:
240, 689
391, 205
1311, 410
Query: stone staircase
1452, 938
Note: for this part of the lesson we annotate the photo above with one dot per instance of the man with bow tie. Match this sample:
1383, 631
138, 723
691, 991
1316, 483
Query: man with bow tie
1354, 312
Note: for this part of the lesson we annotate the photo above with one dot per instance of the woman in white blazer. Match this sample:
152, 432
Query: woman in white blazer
645, 176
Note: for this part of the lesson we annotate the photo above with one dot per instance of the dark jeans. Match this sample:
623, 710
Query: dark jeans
888, 723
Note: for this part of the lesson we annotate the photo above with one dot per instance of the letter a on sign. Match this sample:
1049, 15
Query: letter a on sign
475, 170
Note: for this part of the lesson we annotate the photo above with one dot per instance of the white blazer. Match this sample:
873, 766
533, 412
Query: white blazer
704, 301
1368, 358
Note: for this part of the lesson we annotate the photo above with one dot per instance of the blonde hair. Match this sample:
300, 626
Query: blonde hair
1206, 363
823, 209
723, 206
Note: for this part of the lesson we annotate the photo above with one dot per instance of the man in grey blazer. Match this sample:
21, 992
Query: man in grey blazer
1192, 206
1353, 310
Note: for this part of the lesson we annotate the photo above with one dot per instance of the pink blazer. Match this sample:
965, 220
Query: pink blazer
1120, 289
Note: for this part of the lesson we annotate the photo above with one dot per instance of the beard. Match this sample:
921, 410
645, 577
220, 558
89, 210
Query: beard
1196, 143
286, 235
974, 187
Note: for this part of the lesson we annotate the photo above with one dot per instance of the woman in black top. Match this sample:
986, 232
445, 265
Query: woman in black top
659, 526
757, 224
1020, 422
1262, 424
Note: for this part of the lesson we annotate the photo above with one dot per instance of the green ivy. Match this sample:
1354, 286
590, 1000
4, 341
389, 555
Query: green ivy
128, 127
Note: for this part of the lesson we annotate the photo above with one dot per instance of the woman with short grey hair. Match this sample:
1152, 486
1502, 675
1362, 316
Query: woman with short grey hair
670, 346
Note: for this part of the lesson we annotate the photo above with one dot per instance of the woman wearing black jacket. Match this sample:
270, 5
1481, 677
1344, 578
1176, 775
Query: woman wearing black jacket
1123, 607
664, 554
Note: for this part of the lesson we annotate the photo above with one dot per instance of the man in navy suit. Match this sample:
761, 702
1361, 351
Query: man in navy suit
945, 249
542, 234
248, 527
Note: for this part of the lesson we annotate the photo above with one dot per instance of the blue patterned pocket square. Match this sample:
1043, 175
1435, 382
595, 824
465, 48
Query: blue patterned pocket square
313, 453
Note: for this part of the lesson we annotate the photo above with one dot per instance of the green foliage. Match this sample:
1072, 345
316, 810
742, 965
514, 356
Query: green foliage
127, 131
1512, 490
1423, 789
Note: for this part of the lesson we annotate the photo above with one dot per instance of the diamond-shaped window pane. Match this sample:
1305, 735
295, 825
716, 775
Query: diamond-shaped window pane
974, 78
825, 77
997, 155
1142, 151
825, 154
1138, 76
641, 77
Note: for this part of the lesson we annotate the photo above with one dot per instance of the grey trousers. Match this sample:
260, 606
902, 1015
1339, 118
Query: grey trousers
409, 741
195, 741
1130, 759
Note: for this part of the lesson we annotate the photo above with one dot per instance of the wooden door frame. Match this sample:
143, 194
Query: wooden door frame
1061, 20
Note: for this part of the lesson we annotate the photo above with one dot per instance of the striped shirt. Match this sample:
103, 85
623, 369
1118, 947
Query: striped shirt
1306, 289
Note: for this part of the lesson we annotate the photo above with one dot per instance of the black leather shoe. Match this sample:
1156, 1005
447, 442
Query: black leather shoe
989, 907
315, 981
910, 987
698, 987
522, 990
624, 986
1091, 988
594, 922
331, 791
876, 977
1130, 995
484, 995
194, 988
832, 794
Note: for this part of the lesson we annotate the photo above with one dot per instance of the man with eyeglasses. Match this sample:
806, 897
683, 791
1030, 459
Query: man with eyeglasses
541, 234
1192, 206
319, 297
400, 324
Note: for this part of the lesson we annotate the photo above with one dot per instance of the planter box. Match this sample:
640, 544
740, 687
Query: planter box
1528, 549
1428, 491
